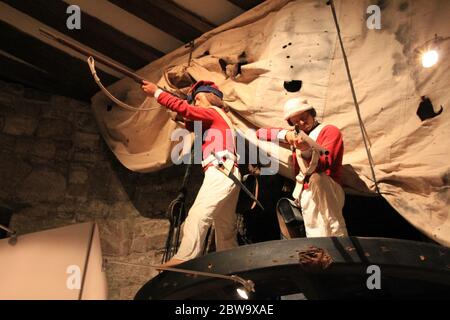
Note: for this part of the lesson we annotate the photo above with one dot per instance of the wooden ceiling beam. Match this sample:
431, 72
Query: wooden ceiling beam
15, 71
246, 4
184, 15
69, 70
159, 15
93, 33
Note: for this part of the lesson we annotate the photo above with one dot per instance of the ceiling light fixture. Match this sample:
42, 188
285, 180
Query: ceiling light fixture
429, 53
430, 58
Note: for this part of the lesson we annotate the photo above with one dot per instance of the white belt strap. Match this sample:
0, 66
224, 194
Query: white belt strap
306, 169
223, 155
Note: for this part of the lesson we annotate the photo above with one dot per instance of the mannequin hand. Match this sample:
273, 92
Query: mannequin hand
296, 141
149, 88
290, 137
300, 144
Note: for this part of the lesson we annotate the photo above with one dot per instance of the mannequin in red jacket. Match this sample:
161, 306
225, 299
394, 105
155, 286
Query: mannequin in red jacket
318, 192
217, 198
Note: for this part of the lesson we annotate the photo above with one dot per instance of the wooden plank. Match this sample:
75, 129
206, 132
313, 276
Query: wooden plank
93, 33
12, 70
71, 71
158, 17
184, 15
246, 4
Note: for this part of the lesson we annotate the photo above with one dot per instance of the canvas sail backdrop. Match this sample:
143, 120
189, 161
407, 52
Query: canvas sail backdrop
252, 56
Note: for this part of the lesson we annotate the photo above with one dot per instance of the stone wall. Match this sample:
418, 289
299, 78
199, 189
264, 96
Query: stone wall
56, 170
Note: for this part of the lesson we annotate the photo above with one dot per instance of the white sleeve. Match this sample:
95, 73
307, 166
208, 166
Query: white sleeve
157, 93
282, 135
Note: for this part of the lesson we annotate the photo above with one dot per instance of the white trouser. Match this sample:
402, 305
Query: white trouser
322, 205
215, 203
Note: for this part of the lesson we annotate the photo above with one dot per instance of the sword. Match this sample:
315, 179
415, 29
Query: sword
221, 168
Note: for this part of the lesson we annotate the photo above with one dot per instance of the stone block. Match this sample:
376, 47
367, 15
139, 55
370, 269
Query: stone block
96, 209
42, 184
80, 106
30, 219
129, 292
55, 129
123, 210
117, 191
149, 234
68, 209
7, 142
116, 236
123, 273
77, 191
36, 95
12, 172
113, 293
99, 181
81, 217
78, 175
24, 146
85, 122
6, 105
45, 149
85, 157
29, 108
60, 102
63, 150
86, 141
18, 125
58, 113
58, 222
62, 155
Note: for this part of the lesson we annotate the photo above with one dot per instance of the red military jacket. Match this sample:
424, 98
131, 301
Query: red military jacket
218, 135
330, 138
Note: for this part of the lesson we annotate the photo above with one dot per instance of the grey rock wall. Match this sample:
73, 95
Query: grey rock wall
56, 170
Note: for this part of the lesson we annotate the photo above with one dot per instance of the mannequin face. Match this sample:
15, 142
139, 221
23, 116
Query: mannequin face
201, 100
304, 120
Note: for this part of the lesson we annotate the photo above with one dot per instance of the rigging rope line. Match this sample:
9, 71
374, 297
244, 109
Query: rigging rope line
91, 63
355, 100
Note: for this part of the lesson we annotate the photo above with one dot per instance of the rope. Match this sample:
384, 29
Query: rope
91, 63
355, 100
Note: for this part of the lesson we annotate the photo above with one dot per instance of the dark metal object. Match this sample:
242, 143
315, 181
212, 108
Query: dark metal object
291, 222
244, 188
176, 213
125, 71
11, 234
409, 269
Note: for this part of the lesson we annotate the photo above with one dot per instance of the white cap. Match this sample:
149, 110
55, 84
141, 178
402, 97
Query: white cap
295, 106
